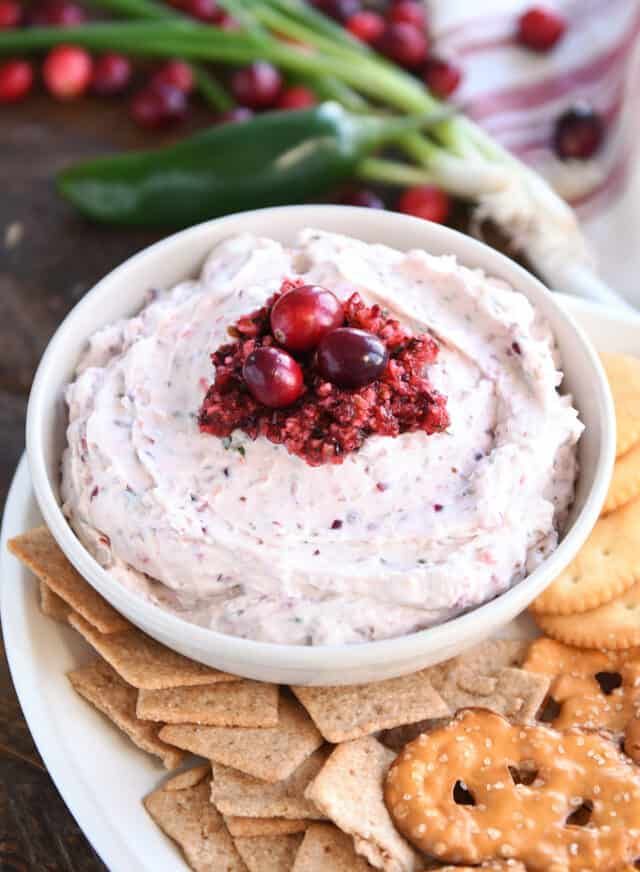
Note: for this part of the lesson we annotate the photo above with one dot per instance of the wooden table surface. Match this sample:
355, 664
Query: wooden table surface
49, 257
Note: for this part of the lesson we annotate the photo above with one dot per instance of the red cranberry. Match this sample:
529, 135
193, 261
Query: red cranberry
362, 197
410, 12
296, 97
67, 71
351, 358
273, 377
441, 77
366, 26
302, 316
404, 44
257, 86
16, 79
176, 73
426, 201
340, 10
111, 75
57, 13
238, 113
204, 10
10, 14
540, 28
579, 133
157, 107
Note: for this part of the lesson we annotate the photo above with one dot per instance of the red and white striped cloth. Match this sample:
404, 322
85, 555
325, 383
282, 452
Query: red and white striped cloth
516, 95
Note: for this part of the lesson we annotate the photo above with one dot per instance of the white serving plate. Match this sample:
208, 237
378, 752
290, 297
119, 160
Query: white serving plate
100, 774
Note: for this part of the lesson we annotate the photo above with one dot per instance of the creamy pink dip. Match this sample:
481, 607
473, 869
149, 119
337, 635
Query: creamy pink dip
247, 539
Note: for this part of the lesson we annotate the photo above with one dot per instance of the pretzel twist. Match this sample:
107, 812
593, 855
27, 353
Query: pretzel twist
525, 783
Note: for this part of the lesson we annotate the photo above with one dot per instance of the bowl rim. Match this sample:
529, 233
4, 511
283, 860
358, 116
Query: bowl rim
169, 625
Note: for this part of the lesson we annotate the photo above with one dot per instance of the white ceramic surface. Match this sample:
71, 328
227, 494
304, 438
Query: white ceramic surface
100, 775
121, 293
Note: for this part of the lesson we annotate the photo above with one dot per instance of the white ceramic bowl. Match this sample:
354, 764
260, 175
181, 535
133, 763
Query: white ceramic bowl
121, 294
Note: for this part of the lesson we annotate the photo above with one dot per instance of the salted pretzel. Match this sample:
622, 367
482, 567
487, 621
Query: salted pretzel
594, 689
481, 789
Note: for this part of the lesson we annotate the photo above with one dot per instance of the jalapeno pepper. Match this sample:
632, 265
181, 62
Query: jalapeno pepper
273, 159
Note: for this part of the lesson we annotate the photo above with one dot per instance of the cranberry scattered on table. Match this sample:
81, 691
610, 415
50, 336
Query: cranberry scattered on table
178, 74
257, 86
10, 14
296, 97
426, 201
16, 80
67, 71
579, 133
441, 77
160, 106
111, 75
540, 28
367, 26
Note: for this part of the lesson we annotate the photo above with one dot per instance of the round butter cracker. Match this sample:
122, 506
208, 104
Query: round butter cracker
606, 566
614, 626
623, 372
625, 482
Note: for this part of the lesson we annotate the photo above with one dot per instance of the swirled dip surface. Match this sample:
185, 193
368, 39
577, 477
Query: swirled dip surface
248, 539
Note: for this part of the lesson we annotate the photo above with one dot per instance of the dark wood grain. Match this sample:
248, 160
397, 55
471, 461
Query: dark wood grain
49, 257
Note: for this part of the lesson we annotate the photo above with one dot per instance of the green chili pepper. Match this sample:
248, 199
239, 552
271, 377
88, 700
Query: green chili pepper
274, 159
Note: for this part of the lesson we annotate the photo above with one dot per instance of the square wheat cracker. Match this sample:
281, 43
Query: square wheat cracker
251, 828
350, 711
53, 606
225, 704
349, 790
269, 753
487, 676
145, 663
101, 685
39, 551
325, 848
242, 796
269, 853
190, 820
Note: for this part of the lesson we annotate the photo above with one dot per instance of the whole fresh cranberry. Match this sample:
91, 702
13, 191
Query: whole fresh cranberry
296, 97
207, 11
404, 44
10, 14
302, 316
410, 12
441, 77
176, 73
351, 358
426, 201
16, 80
273, 377
111, 75
367, 26
339, 10
257, 86
362, 197
540, 28
158, 107
67, 71
238, 113
57, 13
579, 133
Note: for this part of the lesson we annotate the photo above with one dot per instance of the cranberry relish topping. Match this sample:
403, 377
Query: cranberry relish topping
327, 421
